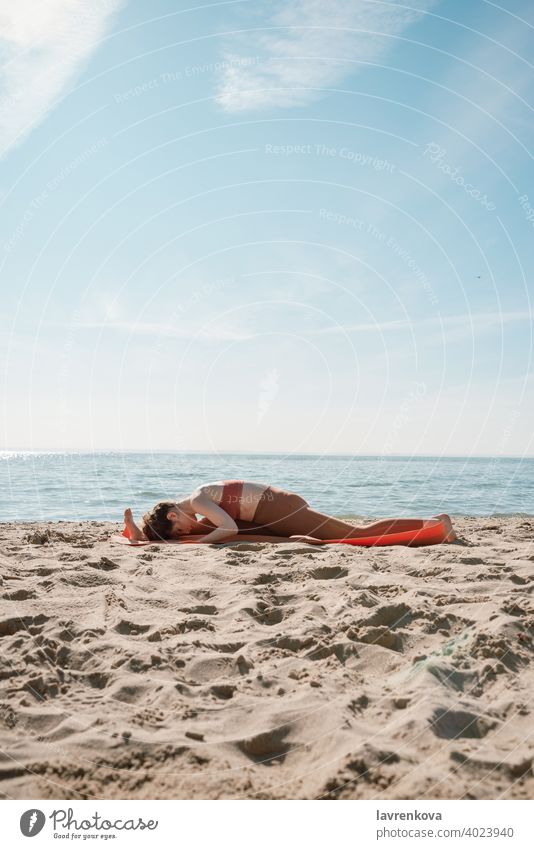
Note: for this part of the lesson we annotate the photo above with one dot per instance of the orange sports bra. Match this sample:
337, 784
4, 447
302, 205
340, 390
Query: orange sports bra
231, 498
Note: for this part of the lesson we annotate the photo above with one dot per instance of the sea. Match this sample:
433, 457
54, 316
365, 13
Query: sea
41, 485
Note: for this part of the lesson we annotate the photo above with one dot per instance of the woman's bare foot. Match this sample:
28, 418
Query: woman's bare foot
135, 532
451, 535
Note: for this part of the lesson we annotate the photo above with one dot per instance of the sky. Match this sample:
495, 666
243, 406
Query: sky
301, 226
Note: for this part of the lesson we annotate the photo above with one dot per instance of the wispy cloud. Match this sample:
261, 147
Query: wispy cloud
308, 45
362, 327
440, 328
42, 46
139, 328
453, 327
469, 325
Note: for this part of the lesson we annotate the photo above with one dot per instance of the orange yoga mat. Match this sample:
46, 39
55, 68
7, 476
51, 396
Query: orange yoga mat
432, 533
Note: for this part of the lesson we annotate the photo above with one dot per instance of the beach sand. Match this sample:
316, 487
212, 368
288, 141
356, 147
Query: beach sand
266, 671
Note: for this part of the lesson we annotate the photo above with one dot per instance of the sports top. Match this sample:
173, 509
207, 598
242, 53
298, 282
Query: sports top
238, 498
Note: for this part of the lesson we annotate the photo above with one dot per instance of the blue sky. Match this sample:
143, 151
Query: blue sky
267, 226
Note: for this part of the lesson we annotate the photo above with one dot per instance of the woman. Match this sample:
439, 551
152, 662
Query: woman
264, 513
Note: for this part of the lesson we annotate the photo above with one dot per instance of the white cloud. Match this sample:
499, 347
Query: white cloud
208, 332
42, 46
362, 327
471, 325
455, 327
313, 45
440, 328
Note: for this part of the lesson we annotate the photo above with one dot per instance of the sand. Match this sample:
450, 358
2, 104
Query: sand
266, 671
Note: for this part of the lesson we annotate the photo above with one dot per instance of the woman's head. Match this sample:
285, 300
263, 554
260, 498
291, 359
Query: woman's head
165, 521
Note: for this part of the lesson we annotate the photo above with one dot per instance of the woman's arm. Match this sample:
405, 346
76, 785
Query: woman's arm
257, 538
225, 525
235, 538
310, 540
244, 527
195, 539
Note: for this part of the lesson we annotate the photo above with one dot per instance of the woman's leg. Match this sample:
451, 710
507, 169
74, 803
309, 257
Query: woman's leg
311, 523
379, 528
286, 514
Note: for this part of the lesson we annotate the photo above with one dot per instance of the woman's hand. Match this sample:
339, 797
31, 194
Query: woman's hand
310, 540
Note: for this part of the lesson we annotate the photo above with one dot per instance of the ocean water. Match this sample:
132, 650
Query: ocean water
76, 486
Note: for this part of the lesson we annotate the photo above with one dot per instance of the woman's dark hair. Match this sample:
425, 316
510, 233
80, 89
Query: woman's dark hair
155, 523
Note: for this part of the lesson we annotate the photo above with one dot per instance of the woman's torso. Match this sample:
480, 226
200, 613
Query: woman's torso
239, 498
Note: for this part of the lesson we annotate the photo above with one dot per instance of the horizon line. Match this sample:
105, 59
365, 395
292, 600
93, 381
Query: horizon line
227, 452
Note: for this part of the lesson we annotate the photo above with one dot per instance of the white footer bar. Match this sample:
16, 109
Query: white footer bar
268, 824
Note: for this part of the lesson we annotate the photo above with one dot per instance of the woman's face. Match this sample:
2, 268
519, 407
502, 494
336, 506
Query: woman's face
182, 523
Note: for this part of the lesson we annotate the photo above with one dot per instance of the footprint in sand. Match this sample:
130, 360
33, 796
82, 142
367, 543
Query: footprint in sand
292, 643
105, 564
42, 687
267, 746
180, 628
223, 691
19, 595
328, 573
69, 557
265, 615
216, 667
223, 648
44, 571
452, 724
129, 693
11, 625
265, 578
286, 553
130, 629
342, 651
377, 636
392, 615
85, 579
